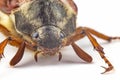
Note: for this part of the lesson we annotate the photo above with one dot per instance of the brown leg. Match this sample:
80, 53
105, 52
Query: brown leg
100, 51
36, 55
60, 56
19, 53
2, 46
79, 33
38, 52
83, 55
100, 35
84, 31
70, 41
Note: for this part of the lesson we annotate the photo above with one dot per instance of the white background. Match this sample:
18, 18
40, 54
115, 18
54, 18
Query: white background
101, 15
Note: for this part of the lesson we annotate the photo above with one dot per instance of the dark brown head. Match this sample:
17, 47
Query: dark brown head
48, 36
46, 22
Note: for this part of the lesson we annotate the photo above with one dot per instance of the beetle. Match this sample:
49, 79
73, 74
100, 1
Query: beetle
46, 26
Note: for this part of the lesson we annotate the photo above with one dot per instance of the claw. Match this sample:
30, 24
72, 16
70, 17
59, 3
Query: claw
106, 69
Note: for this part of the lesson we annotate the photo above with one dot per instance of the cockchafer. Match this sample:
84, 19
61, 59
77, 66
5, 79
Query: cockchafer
45, 26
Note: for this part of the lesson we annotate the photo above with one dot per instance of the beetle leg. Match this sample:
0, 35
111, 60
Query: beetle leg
100, 35
79, 33
70, 40
36, 55
84, 31
60, 56
100, 51
18, 55
76, 36
2, 46
83, 55
15, 42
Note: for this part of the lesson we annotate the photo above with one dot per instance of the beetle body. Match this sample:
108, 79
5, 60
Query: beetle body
45, 26
45, 23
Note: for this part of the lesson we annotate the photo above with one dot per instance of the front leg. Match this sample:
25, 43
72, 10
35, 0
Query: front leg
19, 53
85, 31
99, 49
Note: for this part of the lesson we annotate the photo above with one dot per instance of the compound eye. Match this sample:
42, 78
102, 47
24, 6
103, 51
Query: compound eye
35, 35
62, 35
